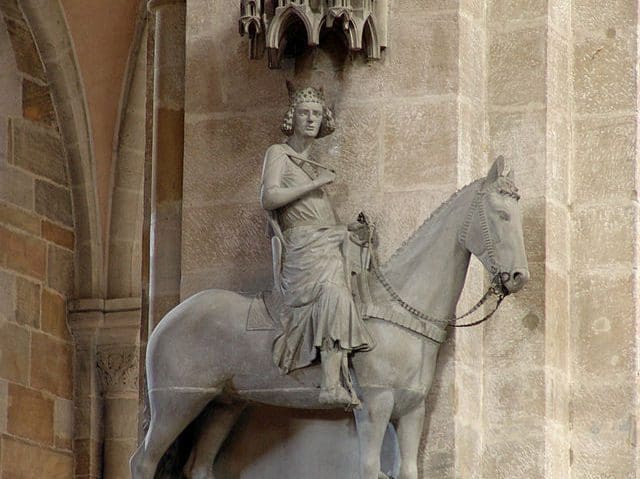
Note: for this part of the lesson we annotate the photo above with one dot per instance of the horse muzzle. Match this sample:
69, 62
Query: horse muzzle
514, 281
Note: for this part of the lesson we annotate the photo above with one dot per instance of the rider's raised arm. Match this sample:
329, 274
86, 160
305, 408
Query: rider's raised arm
272, 194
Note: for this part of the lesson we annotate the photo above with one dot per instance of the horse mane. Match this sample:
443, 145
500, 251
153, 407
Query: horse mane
434, 214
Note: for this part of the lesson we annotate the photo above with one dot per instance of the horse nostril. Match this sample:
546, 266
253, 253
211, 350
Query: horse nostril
521, 276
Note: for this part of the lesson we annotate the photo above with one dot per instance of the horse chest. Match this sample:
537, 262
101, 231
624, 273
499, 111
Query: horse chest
395, 363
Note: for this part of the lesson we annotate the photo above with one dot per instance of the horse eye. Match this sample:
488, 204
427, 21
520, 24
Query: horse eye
504, 216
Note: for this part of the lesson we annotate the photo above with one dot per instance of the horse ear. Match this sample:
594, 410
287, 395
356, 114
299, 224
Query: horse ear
510, 175
496, 169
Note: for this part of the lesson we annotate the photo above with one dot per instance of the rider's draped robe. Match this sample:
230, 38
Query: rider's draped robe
313, 275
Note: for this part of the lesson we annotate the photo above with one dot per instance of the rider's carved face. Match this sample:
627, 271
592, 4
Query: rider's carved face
307, 119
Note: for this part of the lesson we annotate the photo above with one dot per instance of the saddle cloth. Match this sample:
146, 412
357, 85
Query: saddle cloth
265, 311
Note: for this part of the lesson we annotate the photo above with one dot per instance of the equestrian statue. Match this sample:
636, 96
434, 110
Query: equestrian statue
347, 330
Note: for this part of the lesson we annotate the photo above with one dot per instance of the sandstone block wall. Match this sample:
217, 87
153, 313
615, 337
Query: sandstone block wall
604, 240
36, 266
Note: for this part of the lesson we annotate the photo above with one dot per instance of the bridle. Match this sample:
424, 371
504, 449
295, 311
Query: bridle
488, 257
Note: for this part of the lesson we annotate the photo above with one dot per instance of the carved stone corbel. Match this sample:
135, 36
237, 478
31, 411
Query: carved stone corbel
270, 24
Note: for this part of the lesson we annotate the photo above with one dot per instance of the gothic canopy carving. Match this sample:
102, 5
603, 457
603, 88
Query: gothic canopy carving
273, 24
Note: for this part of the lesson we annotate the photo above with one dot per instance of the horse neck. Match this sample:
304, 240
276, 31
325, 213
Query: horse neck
429, 271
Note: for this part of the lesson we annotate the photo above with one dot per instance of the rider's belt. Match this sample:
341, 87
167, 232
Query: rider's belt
404, 319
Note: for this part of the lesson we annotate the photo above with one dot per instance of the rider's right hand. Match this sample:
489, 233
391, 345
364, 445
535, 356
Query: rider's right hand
325, 177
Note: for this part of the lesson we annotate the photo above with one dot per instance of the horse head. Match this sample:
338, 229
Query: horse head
492, 230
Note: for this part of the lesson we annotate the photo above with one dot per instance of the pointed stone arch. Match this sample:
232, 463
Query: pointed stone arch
370, 39
283, 21
51, 34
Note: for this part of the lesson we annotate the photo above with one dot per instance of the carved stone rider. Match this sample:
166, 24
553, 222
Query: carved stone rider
308, 245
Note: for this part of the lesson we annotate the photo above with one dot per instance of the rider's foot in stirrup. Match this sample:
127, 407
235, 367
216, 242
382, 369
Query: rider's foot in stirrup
337, 395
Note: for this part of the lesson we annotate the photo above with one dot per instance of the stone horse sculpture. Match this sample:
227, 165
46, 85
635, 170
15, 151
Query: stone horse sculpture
200, 357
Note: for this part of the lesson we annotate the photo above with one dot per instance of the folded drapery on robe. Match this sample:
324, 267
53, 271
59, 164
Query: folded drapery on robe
314, 284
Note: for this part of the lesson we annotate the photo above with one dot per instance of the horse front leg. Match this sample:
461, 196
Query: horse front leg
371, 423
409, 430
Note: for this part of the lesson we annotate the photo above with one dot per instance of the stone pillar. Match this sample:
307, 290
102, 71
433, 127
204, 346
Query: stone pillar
117, 364
604, 242
514, 340
167, 157
472, 163
557, 251
106, 335
85, 317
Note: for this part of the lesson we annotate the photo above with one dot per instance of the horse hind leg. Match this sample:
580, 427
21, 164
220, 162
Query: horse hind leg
171, 413
215, 428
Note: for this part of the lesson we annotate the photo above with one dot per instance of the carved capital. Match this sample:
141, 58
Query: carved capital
118, 368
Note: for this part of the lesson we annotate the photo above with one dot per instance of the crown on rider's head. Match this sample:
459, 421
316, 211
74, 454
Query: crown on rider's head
307, 94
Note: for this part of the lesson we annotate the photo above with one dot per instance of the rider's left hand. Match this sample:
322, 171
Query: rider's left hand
359, 230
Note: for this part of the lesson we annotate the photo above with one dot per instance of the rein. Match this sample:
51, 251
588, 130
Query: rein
495, 289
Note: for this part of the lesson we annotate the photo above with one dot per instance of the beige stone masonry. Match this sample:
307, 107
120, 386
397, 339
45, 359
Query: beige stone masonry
27, 302
63, 423
26, 53
4, 405
37, 150
18, 218
54, 202
58, 235
23, 254
50, 462
30, 415
37, 105
16, 187
36, 367
14, 340
51, 365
